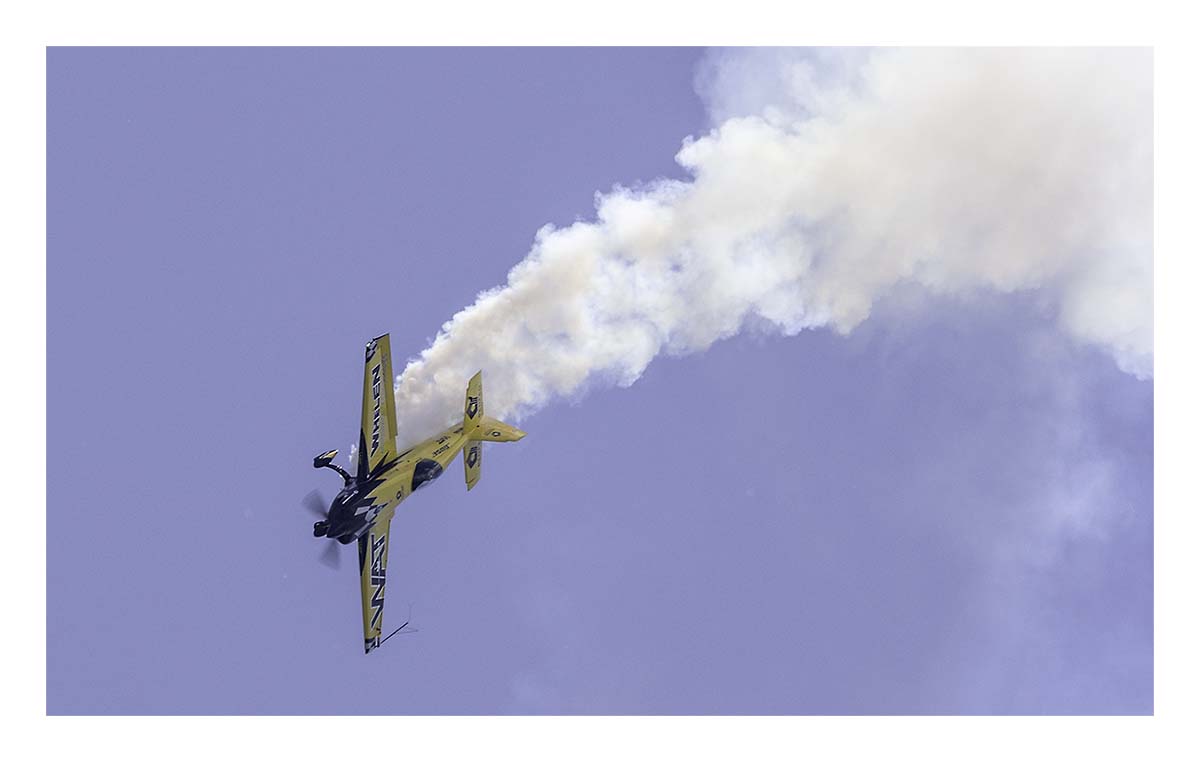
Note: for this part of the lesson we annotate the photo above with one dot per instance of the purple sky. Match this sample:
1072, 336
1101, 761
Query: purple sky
949, 511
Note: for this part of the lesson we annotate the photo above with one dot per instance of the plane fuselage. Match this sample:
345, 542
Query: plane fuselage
375, 494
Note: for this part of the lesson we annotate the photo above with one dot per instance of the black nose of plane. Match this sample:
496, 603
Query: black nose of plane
338, 526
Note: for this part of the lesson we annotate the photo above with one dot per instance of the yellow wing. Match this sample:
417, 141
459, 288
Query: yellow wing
377, 437
372, 569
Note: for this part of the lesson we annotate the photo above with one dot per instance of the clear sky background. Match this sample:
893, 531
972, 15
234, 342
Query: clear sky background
948, 511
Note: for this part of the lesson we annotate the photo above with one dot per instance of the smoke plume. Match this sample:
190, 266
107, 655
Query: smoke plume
828, 179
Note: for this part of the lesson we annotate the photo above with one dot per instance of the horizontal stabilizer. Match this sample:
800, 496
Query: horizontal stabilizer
479, 428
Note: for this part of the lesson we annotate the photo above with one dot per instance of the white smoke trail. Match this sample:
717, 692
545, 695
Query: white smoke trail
831, 178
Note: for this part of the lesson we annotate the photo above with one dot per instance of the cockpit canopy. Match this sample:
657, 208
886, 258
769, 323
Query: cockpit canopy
424, 472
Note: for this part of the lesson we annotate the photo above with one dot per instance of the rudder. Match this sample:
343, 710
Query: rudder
491, 430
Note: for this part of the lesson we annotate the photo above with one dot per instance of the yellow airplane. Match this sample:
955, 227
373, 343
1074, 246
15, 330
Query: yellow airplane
364, 508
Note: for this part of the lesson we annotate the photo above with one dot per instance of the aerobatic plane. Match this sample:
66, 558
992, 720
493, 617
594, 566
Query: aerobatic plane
384, 477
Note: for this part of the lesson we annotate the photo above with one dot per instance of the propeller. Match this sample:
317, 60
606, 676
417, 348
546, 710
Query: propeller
331, 556
316, 504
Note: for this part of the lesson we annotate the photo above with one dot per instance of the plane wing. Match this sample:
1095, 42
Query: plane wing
372, 569
377, 437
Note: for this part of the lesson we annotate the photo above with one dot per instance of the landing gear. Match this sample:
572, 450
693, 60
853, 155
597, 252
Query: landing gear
320, 529
325, 460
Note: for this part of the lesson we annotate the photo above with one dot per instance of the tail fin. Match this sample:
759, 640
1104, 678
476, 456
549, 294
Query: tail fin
479, 428
491, 430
